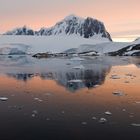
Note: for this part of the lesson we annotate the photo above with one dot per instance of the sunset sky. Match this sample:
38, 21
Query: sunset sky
121, 17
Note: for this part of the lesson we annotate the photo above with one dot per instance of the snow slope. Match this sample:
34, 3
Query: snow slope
103, 47
61, 43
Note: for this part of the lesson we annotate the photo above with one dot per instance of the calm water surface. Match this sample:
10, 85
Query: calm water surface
51, 99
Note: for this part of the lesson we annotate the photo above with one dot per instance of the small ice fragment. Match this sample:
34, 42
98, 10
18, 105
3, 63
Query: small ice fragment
33, 115
135, 124
77, 59
48, 94
75, 81
96, 86
68, 63
63, 112
84, 123
131, 116
79, 67
108, 113
3, 98
115, 77
127, 82
129, 74
137, 102
94, 118
103, 120
118, 93
13, 95
35, 112
37, 99
124, 110
48, 119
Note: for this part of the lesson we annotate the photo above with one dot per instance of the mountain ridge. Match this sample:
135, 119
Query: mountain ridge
70, 25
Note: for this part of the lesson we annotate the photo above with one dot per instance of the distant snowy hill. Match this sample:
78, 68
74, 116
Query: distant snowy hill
71, 25
21, 31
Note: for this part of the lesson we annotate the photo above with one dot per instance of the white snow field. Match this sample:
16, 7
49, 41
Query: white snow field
40, 44
14, 44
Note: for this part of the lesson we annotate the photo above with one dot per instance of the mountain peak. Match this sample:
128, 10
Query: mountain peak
72, 16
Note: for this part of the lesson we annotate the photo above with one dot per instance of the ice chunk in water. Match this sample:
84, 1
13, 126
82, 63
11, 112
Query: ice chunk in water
77, 59
135, 124
103, 120
79, 67
3, 98
84, 123
115, 77
37, 99
94, 118
108, 113
118, 93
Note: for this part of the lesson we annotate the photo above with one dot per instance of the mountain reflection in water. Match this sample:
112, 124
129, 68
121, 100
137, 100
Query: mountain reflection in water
63, 71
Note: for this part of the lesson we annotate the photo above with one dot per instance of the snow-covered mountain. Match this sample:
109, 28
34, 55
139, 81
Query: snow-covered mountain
21, 31
86, 28
70, 25
137, 40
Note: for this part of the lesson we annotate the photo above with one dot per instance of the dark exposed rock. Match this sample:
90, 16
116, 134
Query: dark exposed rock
131, 50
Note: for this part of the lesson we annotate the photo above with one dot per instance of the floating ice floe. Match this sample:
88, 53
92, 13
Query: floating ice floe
135, 124
34, 113
94, 118
115, 77
129, 74
137, 102
131, 116
95, 86
118, 93
79, 67
124, 110
63, 112
48, 94
48, 119
103, 120
108, 113
127, 82
3, 98
68, 63
37, 99
84, 123
75, 81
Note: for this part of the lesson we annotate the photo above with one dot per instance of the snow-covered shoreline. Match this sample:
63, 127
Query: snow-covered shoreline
41, 44
12, 44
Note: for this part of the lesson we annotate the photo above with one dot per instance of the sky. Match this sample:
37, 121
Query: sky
121, 17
